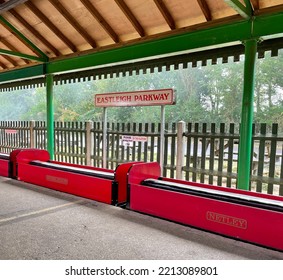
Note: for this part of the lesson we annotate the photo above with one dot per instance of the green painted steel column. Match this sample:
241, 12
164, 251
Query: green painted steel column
245, 149
50, 115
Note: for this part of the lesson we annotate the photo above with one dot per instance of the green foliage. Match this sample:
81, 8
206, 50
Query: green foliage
269, 90
15, 104
204, 94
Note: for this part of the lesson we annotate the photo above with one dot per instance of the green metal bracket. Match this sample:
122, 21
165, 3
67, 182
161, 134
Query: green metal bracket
249, 5
244, 11
24, 38
22, 55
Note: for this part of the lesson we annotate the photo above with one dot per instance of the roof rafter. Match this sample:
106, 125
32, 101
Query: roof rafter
61, 9
11, 60
165, 13
8, 58
269, 10
205, 9
3, 66
51, 26
233, 32
19, 35
11, 47
22, 37
130, 16
104, 24
255, 4
236, 31
6, 6
244, 11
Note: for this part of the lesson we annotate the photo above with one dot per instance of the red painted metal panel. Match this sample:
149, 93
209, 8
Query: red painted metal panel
13, 160
142, 171
228, 190
122, 179
246, 223
83, 166
100, 189
82, 185
4, 168
28, 155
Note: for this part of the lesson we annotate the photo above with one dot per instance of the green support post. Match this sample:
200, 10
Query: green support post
50, 115
245, 149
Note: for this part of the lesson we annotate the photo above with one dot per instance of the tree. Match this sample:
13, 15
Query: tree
204, 94
269, 90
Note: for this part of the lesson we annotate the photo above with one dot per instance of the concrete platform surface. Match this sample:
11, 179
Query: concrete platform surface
38, 223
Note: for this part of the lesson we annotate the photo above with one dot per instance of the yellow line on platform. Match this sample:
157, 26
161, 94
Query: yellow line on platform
40, 211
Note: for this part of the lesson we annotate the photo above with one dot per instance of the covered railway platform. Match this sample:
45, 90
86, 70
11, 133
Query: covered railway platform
48, 42
43, 224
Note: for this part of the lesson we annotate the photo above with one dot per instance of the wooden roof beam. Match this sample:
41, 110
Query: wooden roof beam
51, 26
12, 48
130, 16
34, 32
63, 11
8, 58
205, 10
6, 6
104, 24
165, 13
7, 25
3, 66
255, 4
269, 10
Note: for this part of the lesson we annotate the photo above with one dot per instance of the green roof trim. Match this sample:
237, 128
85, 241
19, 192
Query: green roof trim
218, 55
238, 31
23, 73
125, 56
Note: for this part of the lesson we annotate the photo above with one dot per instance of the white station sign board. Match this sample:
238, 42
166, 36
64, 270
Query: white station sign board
128, 140
158, 97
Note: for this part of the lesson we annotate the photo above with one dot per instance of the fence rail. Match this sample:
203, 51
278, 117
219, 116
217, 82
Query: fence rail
205, 153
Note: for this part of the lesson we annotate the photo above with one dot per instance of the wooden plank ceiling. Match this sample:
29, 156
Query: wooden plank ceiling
64, 28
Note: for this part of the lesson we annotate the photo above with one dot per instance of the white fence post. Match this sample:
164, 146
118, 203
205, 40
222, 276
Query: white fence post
180, 149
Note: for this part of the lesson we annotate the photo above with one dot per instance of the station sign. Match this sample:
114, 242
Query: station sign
158, 97
128, 140
11, 131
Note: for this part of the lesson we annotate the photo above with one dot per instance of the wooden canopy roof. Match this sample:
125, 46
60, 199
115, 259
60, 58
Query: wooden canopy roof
38, 32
